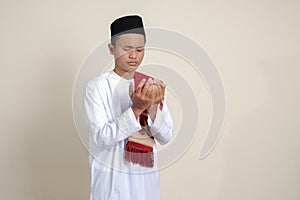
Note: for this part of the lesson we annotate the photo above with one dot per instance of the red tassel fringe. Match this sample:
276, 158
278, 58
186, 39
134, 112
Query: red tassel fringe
139, 154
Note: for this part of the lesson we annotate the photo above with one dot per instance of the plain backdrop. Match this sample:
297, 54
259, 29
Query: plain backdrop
255, 46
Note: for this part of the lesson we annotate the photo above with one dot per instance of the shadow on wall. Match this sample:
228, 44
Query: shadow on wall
262, 159
57, 161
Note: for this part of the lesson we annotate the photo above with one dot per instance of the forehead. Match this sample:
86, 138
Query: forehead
131, 39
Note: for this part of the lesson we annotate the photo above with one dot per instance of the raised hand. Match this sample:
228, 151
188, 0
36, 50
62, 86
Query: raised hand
142, 97
159, 91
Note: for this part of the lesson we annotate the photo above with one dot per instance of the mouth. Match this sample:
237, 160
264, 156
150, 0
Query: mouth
132, 63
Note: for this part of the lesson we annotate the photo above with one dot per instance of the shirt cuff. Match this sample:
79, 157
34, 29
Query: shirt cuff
159, 121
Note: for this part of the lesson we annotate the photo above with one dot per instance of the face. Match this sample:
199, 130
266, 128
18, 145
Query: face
128, 52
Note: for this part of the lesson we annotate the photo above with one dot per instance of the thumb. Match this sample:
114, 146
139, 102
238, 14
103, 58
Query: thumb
141, 83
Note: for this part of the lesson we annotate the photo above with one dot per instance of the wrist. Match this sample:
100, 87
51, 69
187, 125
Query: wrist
153, 107
137, 112
152, 111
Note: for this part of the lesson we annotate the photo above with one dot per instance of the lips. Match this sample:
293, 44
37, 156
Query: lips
132, 63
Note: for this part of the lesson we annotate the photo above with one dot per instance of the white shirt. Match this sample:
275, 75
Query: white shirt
111, 121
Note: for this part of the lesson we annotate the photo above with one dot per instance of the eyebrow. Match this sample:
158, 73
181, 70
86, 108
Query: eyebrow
126, 46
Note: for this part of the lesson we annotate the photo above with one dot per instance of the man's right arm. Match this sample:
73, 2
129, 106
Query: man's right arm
104, 130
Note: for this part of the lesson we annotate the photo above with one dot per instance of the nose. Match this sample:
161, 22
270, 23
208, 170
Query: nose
132, 54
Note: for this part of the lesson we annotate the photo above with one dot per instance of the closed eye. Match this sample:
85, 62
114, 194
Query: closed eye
128, 48
140, 49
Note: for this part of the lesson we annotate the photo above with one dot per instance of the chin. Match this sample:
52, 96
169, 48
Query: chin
132, 68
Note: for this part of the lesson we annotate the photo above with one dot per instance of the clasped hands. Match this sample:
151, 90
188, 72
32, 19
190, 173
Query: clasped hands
147, 95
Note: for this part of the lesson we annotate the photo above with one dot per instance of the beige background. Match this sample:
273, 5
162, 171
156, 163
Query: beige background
255, 45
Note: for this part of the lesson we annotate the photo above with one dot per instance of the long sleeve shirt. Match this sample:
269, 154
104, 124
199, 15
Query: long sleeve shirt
111, 121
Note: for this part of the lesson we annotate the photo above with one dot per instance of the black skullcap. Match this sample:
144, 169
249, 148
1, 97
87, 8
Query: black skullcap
127, 24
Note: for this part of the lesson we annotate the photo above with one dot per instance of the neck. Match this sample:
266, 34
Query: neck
124, 74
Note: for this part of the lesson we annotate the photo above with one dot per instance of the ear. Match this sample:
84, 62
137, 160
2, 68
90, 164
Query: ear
111, 49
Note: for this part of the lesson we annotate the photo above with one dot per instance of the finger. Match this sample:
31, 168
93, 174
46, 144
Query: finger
140, 85
152, 95
161, 83
157, 82
154, 92
147, 85
162, 90
150, 90
163, 86
158, 91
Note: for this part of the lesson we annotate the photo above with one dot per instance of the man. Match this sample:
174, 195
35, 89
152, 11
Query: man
127, 114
